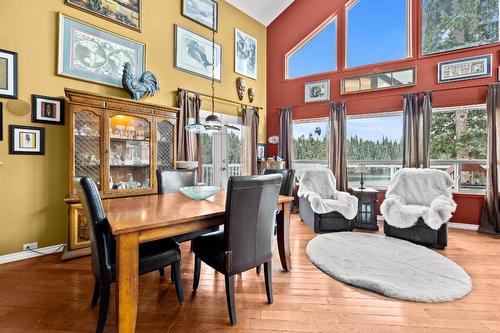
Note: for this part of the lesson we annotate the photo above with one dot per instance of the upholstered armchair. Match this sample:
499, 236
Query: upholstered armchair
418, 205
321, 206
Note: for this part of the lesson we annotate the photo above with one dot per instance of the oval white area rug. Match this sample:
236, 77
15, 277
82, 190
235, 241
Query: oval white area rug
389, 266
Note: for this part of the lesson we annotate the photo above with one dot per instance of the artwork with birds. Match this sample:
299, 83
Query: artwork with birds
146, 85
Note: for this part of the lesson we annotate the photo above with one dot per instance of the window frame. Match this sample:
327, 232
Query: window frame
421, 53
308, 38
409, 35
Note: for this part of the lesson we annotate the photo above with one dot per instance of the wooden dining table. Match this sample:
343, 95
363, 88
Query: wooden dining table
135, 220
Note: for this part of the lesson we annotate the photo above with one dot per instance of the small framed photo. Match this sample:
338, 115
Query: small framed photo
47, 110
261, 152
317, 91
26, 140
1, 121
8, 74
202, 12
465, 69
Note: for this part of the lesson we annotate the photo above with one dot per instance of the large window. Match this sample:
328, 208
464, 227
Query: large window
310, 144
377, 31
318, 54
456, 24
376, 142
459, 139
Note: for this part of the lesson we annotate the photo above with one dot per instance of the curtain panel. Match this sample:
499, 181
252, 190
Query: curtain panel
416, 130
490, 219
337, 153
285, 150
188, 144
250, 117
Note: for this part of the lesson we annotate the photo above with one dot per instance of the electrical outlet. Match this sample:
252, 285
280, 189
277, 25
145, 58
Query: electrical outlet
30, 246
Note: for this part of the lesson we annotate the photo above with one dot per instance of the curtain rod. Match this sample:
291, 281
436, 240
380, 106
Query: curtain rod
384, 96
221, 99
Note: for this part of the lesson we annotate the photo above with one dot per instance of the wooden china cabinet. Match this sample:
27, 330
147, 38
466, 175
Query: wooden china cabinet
119, 143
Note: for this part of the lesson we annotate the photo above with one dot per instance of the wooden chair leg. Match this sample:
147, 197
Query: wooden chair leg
95, 295
197, 269
103, 308
268, 277
258, 269
162, 272
176, 268
229, 280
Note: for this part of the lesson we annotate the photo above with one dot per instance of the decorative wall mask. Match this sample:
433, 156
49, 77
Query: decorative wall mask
251, 94
241, 86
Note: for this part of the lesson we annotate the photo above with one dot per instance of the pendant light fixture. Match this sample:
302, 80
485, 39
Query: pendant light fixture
212, 122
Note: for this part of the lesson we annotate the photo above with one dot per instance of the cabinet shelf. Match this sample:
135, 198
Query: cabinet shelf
130, 166
125, 140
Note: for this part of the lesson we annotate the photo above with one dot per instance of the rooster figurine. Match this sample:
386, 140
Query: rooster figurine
147, 85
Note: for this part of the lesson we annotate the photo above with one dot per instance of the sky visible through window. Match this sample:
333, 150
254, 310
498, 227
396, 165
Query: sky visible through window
377, 32
375, 128
309, 127
318, 55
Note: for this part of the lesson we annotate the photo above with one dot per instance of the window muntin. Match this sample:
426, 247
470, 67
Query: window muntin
377, 81
376, 142
451, 25
377, 31
317, 54
459, 139
310, 144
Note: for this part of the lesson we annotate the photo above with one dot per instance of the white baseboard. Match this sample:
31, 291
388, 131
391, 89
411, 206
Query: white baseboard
29, 254
463, 226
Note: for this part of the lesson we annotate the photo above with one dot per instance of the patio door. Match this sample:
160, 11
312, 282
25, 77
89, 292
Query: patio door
221, 152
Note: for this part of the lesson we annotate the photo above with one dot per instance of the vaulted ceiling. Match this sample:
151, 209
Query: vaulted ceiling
264, 11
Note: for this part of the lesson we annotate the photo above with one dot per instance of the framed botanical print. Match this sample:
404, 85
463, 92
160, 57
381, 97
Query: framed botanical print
204, 12
245, 53
193, 54
8, 74
47, 110
317, 91
126, 13
92, 54
26, 140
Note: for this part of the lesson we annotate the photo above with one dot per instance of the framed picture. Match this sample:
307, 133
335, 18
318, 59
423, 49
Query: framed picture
126, 13
245, 54
26, 140
261, 152
193, 54
92, 54
465, 69
47, 110
8, 74
317, 91
202, 12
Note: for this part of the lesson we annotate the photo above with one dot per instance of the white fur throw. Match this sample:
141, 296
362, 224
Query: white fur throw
415, 193
319, 187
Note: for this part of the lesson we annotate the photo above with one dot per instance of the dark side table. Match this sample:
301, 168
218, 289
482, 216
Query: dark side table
367, 208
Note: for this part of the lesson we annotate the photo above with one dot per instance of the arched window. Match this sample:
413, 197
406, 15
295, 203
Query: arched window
451, 25
317, 54
377, 31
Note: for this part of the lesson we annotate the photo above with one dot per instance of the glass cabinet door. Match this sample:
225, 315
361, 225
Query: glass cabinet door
129, 153
87, 145
165, 139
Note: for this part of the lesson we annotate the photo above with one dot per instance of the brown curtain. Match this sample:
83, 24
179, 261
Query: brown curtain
286, 136
250, 133
337, 159
416, 130
188, 144
490, 219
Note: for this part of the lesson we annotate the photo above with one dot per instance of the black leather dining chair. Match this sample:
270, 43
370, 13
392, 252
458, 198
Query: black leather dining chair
170, 181
286, 189
247, 239
153, 256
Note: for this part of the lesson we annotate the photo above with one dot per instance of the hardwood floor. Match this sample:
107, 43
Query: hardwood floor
46, 295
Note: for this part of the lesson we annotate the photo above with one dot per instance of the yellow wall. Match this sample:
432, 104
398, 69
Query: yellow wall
32, 188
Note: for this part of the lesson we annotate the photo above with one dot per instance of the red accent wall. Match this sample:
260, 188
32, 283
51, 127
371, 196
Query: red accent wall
303, 17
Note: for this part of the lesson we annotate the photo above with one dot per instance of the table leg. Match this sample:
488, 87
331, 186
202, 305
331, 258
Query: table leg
127, 284
283, 224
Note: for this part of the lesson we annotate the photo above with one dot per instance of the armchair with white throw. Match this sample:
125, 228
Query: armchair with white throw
418, 205
321, 205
